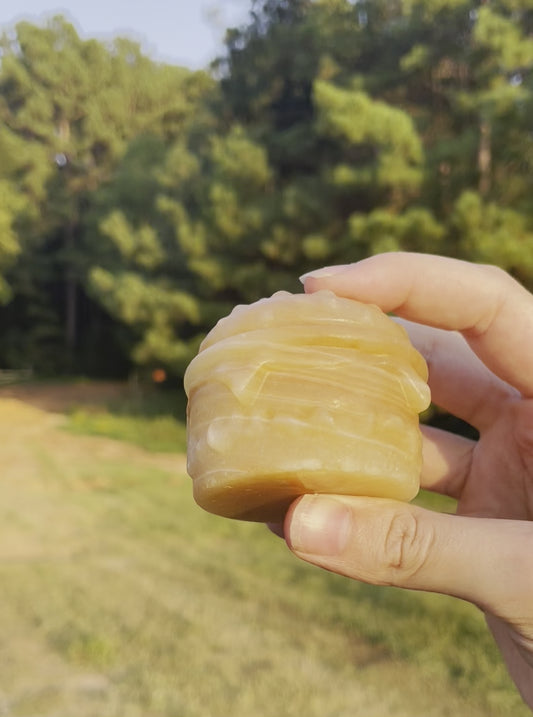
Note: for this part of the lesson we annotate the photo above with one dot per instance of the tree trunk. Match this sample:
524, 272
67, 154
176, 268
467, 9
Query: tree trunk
71, 294
484, 157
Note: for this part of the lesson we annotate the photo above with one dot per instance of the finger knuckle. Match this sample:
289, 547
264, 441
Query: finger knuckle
406, 547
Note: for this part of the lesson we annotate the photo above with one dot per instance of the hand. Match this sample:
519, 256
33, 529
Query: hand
474, 325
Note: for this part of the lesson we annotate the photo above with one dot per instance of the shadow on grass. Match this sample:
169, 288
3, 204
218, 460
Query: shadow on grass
152, 418
150, 402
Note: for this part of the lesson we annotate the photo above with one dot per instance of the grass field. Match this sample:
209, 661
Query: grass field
121, 598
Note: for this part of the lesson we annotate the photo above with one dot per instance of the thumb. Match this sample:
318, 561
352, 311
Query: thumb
486, 561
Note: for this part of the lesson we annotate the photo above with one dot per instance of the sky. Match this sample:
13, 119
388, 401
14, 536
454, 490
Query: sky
182, 32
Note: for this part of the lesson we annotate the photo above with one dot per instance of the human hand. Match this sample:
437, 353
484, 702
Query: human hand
474, 325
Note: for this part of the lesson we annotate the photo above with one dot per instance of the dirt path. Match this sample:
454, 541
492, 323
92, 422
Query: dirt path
61, 397
34, 443
45, 472
39, 411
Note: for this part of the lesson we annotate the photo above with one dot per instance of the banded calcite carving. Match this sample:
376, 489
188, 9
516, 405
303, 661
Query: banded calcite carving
303, 393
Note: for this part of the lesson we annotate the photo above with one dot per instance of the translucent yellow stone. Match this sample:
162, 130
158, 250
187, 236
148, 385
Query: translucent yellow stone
303, 393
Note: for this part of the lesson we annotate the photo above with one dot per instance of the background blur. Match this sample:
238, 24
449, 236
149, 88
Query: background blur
144, 191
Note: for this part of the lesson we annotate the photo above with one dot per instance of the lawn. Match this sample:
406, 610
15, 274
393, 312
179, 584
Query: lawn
121, 598
154, 419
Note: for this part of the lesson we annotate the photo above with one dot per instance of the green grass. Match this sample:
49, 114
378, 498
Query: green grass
168, 611
155, 421
160, 433
139, 603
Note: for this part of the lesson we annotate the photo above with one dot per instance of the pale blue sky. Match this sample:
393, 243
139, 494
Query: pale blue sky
185, 32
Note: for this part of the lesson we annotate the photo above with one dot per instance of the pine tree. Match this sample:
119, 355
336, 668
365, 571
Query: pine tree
70, 107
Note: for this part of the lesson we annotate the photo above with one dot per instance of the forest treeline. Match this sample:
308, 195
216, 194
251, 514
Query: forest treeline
140, 201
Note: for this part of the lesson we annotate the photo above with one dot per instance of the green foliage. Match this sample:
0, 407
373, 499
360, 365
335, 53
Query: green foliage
68, 110
494, 234
383, 134
503, 37
12, 204
142, 201
413, 230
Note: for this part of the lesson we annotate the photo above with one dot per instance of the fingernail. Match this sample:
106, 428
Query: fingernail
324, 272
319, 525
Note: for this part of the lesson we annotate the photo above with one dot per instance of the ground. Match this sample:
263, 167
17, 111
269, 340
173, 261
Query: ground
41, 469
61, 397
120, 598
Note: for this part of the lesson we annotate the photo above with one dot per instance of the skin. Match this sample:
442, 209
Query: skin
474, 325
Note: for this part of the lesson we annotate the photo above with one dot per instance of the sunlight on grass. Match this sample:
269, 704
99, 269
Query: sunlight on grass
158, 433
154, 421
186, 614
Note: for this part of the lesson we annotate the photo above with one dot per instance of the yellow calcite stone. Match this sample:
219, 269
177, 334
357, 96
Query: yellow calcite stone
303, 393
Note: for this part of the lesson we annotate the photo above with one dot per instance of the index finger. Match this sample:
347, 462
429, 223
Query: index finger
492, 310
